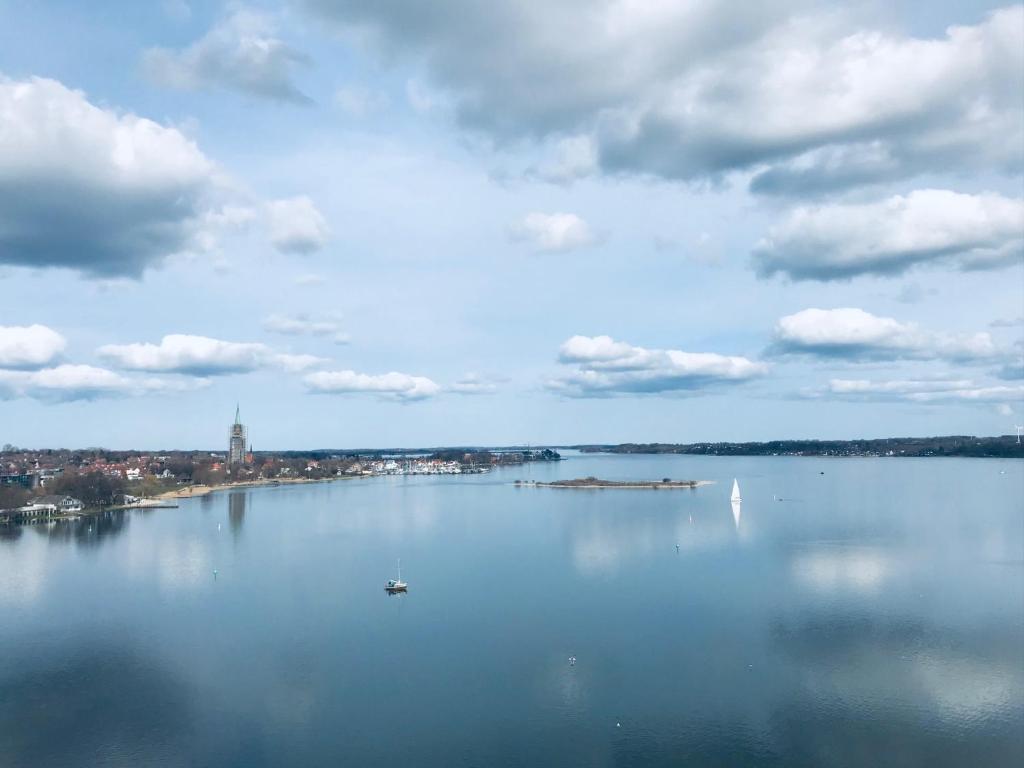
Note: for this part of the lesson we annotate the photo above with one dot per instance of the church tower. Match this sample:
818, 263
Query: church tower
236, 443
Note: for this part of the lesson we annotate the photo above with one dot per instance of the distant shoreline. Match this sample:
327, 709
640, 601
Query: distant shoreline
194, 491
959, 446
593, 483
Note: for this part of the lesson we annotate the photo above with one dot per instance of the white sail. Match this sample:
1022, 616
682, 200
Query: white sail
735, 491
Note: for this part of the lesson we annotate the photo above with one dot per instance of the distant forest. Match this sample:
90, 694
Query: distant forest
1005, 446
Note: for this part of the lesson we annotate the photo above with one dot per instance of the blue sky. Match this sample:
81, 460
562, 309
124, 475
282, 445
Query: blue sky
380, 224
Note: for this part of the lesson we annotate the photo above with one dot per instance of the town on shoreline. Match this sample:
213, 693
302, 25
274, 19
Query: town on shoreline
50, 484
44, 485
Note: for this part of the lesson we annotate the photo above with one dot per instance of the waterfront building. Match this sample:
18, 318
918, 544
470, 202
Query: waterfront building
236, 442
61, 503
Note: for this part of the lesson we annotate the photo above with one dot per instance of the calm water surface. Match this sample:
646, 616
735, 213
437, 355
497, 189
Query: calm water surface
873, 616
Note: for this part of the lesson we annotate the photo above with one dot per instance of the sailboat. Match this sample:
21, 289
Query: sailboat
735, 503
396, 585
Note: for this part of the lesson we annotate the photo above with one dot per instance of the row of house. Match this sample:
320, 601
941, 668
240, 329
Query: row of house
42, 508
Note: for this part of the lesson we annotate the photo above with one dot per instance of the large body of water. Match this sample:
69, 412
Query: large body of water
874, 616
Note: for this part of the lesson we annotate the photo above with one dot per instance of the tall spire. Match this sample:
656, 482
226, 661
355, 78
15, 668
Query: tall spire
237, 419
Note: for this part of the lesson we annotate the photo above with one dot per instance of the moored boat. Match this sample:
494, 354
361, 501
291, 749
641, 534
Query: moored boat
396, 585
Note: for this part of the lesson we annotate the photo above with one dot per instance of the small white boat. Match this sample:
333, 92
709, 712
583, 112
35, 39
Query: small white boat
396, 585
735, 491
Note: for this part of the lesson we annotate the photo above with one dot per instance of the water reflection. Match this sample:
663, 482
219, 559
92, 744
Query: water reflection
834, 567
23, 573
100, 704
86, 531
874, 623
610, 535
236, 511
10, 533
902, 681
736, 513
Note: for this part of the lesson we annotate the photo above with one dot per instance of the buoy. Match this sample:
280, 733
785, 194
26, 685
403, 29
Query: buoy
677, 547
618, 725
218, 526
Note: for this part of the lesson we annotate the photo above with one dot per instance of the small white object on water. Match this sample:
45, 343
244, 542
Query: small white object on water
572, 661
618, 725
218, 526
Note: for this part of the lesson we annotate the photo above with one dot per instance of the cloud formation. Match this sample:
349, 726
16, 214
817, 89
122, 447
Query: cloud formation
29, 346
553, 232
65, 383
105, 193
607, 367
388, 386
304, 325
839, 241
202, 356
241, 53
921, 391
853, 334
475, 384
296, 226
695, 90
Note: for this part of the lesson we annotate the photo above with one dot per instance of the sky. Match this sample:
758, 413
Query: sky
373, 223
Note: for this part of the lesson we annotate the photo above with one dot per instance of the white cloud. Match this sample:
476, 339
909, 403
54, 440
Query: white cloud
296, 363
930, 226
304, 325
393, 386
296, 226
852, 333
575, 157
309, 279
126, 191
84, 382
242, 53
29, 346
920, 391
420, 97
810, 100
607, 367
359, 101
202, 356
553, 232
1013, 368
1007, 322
475, 384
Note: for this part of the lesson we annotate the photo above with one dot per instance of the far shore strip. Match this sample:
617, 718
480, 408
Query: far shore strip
594, 483
191, 491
